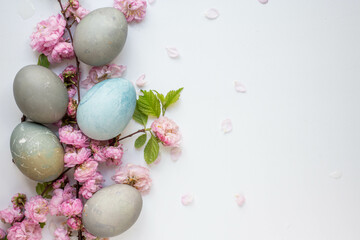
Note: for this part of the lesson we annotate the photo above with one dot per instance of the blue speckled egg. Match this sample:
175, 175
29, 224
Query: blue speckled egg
107, 108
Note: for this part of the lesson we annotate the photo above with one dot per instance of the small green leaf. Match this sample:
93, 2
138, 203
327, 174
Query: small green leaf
43, 61
42, 224
140, 117
149, 104
140, 141
40, 188
172, 97
160, 96
151, 150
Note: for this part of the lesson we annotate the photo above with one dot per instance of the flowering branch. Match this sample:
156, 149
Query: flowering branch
68, 28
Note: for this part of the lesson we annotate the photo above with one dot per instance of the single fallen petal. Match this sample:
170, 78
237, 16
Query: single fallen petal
335, 175
240, 200
187, 199
175, 153
140, 82
151, 1
172, 52
239, 87
226, 126
263, 1
212, 14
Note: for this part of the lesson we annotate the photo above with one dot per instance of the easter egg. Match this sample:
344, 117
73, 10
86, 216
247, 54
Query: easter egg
100, 36
37, 152
106, 108
40, 94
112, 210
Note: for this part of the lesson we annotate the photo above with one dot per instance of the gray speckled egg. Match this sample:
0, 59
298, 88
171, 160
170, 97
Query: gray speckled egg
40, 94
112, 210
37, 152
100, 36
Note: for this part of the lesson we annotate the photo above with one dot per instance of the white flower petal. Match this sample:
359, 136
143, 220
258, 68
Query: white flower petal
172, 52
226, 126
239, 87
140, 82
187, 199
335, 175
212, 14
175, 153
240, 200
263, 1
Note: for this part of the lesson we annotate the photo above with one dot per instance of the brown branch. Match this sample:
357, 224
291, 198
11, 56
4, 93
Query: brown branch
48, 186
23, 118
130, 135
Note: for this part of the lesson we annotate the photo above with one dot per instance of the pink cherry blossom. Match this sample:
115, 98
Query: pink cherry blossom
69, 192
71, 136
140, 82
113, 155
134, 10
167, 131
91, 186
74, 223
98, 74
134, 175
47, 34
187, 199
2, 233
72, 91
75, 10
68, 76
72, 107
71, 207
61, 233
10, 215
86, 171
62, 50
75, 156
58, 183
240, 199
55, 202
36, 209
74, 4
25, 230
226, 126
18, 200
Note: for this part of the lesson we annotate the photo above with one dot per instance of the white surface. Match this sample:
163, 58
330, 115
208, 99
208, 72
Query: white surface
297, 123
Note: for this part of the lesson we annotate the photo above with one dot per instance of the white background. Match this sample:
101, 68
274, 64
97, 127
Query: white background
297, 123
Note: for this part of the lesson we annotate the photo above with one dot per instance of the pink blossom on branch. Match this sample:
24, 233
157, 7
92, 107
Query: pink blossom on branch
36, 209
71, 136
58, 183
134, 175
72, 108
10, 215
86, 171
61, 233
98, 74
113, 155
91, 186
71, 207
25, 230
167, 131
62, 50
75, 156
74, 223
134, 10
47, 34
2, 233
18, 200
75, 10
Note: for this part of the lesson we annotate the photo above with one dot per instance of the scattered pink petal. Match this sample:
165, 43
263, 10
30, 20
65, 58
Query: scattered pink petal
140, 82
212, 14
263, 1
335, 175
239, 87
240, 200
187, 199
151, 1
172, 52
226, 126
175, 153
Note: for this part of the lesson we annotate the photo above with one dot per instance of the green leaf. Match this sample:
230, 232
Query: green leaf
160, 96
172, 97
140, 141
140, 117
40, 187
43, 61
149, 104
151, 151
42, 224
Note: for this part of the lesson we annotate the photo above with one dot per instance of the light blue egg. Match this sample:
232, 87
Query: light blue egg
107, 108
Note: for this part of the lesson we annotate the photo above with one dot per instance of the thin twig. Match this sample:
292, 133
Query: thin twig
130, 135
23, 118
48, 186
